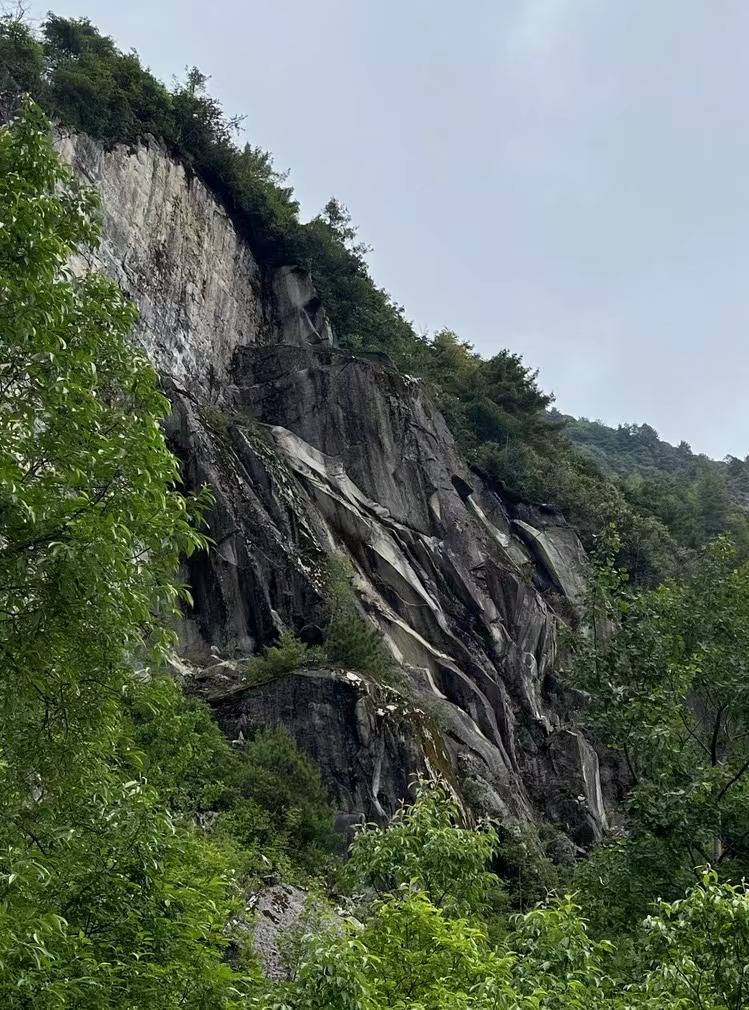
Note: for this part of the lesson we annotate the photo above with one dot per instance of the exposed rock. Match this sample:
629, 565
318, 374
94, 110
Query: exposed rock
369, 749
558, 550
311, 450
278, 910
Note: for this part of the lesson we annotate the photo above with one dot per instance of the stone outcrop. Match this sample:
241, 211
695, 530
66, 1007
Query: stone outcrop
312, 451
278, 909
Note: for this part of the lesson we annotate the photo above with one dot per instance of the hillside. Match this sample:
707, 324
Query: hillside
311, 697
637, 449
694, 496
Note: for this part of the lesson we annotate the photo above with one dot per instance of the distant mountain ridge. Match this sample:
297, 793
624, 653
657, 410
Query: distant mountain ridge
637, 450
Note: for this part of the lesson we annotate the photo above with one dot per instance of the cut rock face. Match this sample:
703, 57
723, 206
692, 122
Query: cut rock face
312, 451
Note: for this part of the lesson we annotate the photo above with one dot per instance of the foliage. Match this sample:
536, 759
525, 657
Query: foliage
698, 947
487, 400
425, 848
589, 502
264, 799
667, 676
104, 900
21, 57
694, 497
109, 895
92, 528
409, 952
618, 881
107, 903
532, 862
287, 787
176, 745
287, 654
418, 955
363, 315
349, 640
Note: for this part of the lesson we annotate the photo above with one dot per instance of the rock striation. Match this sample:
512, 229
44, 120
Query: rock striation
312, 451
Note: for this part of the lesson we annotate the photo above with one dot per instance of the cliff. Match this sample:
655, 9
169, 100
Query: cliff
311, 451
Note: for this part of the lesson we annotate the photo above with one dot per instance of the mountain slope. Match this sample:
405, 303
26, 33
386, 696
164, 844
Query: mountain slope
313, 453
697, 497
206, 239
494, 408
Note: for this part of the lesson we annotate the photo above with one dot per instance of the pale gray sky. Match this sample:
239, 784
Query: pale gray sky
567, 178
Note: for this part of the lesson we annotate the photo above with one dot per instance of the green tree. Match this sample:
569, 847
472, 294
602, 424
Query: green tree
92, 526
667, 676
426, 848
264, 800
21, 58
697, 948
104, 901
350, 640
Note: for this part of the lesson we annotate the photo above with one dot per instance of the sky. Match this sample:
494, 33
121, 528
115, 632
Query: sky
565, 178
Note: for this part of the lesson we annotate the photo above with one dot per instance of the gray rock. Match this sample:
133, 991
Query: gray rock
278, 910
369, 754
310, 450
559, 551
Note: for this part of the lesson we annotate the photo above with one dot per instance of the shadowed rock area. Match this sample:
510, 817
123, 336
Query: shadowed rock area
312, 451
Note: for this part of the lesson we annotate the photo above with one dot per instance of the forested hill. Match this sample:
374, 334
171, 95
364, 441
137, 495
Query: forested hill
638, 448
652, 468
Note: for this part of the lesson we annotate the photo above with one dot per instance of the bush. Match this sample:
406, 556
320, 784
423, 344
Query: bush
349, 640
271, 806
288, 654
286, 784
427, 848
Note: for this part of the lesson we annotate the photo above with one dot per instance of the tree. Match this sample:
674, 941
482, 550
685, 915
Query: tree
697, 948
426, 848
104, 900
667, 676
21, 57
92, 526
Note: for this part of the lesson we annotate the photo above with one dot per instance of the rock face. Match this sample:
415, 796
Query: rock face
278, 909
312, 451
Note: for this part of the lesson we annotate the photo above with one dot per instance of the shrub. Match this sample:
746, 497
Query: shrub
349, 640
427, 847
288, 654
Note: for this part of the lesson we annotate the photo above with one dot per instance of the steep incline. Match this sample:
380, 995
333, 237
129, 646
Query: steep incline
311, 451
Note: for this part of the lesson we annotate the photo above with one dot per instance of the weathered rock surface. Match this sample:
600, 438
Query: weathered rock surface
309, 451
278, 909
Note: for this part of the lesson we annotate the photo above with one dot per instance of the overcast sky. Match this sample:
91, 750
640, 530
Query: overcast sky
566, 178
